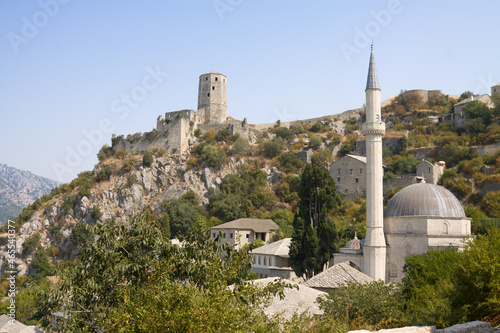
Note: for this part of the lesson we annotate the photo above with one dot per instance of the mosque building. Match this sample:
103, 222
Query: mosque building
419, 217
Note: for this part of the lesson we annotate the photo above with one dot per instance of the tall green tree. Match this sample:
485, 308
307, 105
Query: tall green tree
317, 238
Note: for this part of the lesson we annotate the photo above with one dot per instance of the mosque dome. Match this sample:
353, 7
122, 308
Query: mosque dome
353, 244
424, 199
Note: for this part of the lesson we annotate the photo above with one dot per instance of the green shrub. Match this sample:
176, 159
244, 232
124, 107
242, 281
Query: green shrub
213, 156
285, 133
241, 146
56, 234
129, 164
31, 244
150, 136
315, 142
147, 158
317, 127
96, 212
132, 179
80, 234
274, 147
41, 264
374, 303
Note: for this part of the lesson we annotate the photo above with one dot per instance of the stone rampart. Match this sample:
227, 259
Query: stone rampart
488, 149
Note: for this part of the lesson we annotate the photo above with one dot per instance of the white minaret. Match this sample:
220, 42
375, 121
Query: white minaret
374, 248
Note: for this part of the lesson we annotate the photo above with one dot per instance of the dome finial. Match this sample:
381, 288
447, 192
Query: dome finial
372, 46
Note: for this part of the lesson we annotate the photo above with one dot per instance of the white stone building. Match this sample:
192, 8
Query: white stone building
243, 231
271, 260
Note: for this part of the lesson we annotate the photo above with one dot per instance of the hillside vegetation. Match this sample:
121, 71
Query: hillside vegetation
224, 177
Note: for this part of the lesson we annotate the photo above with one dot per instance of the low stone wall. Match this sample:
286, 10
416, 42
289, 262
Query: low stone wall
471, 327
488, 149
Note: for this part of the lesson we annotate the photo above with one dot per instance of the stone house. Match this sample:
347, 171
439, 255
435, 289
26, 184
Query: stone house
430, 172
271, 260
243, 231
349, 173
459, 116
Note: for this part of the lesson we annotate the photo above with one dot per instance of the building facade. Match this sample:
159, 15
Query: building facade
244, 231
271, 260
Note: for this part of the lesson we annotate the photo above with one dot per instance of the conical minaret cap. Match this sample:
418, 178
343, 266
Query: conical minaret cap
372, 81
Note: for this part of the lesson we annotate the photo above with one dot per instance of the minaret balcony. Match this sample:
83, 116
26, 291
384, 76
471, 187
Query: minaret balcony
373, 128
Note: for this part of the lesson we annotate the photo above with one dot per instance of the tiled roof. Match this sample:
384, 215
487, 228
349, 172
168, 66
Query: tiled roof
279, 248
359, 158
336, 276
295, 300
257, 225
485, 98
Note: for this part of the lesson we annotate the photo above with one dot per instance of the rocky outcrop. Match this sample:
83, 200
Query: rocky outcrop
167, 178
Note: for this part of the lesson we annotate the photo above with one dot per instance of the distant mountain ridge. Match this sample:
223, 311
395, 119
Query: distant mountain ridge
19, 188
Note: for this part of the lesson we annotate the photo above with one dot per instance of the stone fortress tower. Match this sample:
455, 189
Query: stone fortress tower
374, 250
212, 97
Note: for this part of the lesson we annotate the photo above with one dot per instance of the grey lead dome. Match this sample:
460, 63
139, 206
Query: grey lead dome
424, 199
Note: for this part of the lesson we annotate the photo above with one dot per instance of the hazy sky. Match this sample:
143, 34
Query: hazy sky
73, 72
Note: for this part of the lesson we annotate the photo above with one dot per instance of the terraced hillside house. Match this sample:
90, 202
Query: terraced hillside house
243, 231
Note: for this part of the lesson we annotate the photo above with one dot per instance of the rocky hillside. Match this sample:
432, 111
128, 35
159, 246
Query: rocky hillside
18, 189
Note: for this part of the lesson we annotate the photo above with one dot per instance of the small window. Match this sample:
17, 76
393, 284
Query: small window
360, 170
216, 79
350, 171
259, 260
357, 180
428, 169
394, 270
408, 249
206, 79
208, 94
338, 171
265, 261
213, 87
253, 260
338, 179
266, 275
224, 235
248, 235
213, 235
231, 235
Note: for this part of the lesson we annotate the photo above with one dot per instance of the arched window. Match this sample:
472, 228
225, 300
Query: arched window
446, 228
253, 260
270, 261
394, 270
409, 228
259, 260
408, 249
265, 261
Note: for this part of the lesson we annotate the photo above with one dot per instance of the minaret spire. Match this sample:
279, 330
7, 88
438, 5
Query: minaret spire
374, 249
372, 81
